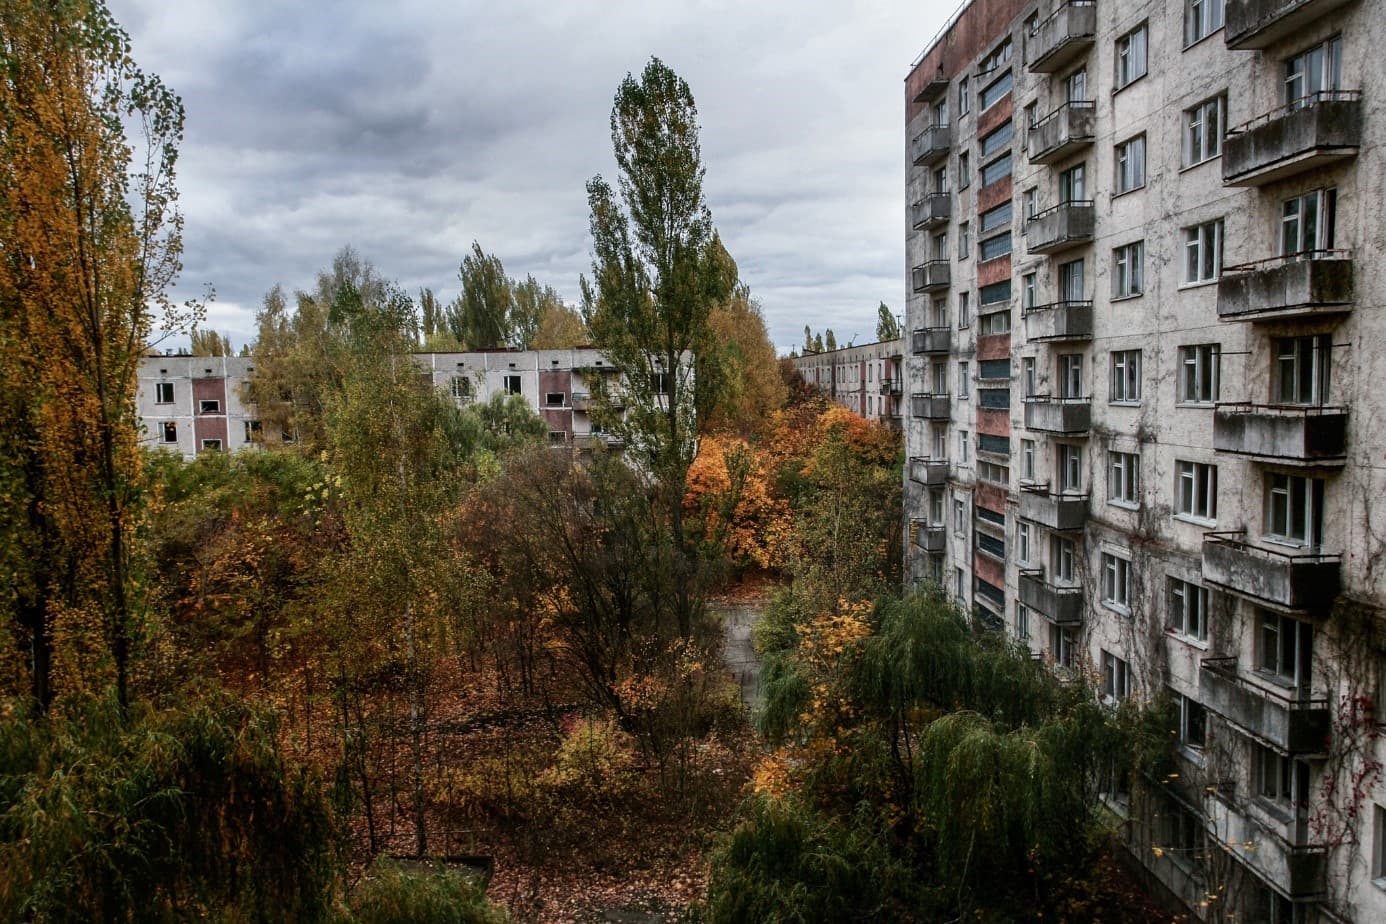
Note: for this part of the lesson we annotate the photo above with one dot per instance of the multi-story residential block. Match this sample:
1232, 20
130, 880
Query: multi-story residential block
192, 404
1143, 423
867, 379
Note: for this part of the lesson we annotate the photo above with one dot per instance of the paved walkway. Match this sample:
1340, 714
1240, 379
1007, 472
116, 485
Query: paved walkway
738, 652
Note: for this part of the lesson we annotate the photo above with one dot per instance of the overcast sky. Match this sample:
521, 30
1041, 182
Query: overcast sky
407, 129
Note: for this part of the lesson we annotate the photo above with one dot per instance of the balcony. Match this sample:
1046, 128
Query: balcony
931, 211
1067, 33
1312, 283
931, 340
1313, 132
580, 401
1060, 605
890, 386
929, 537
1297, 869
1068, 224
931, 276
1063, 511
1065, 131
589, 441
1253, 24
1282, 433
929, 407
931, 145
1059, 321
1281, 579
1276, 715
928, 471
932, 88
1064, 416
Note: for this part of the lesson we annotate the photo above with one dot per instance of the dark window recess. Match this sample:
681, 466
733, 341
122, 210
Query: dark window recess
994, 369
554, 398
994, 397
163, 392
170, 432
558, 436
991, 545
991, 516
211, 444
209, 406
994, 293
512, 384
1000, 445
991, 592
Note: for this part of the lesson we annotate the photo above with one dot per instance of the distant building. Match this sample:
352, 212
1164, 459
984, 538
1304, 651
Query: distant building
866, 379
192, 404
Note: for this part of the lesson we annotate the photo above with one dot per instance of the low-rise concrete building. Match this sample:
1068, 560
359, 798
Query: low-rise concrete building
867, 379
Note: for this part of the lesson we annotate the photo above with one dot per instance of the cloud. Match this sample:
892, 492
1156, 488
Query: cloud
409, 129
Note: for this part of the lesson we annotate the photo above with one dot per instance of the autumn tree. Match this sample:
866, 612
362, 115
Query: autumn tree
560, 328
530, 304
206, 342
658, 272
830, 340
90, 238
887, 327
749, 385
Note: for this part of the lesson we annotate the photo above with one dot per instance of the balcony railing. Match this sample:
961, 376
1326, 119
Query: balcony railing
1068, 224
1063, 511
1300, 870
1304, 581
929, 537
928, 471
932, 88
1067, 33
1059, 604
1255, 24
930, 406
1283, 433
580, 401
1059, 321
931, 340
890, 386
1312, 282
930, 276
1308, 134
931, 144
1061, 133
1276, 715
931, 211
1065, 416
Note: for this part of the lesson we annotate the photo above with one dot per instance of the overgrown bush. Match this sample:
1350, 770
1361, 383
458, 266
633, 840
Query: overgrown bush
392, 895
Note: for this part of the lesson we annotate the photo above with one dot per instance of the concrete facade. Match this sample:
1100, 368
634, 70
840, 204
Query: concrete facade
867, 379
192, 404
1156, 410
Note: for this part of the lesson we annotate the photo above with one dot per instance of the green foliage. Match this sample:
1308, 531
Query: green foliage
187, 813
480, 318
391, 894
887, 327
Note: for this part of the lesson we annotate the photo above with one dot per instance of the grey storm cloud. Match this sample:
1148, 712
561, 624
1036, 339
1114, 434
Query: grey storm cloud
409, 129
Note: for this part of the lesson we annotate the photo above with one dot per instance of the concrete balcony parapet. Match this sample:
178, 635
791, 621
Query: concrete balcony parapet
933, 210
930, 407
928, 471
1068, 224
1253, 24
1059, 321
1067, 33
931, 276
1064, 416
931, 145
1307, 134
1276, 715
1061, 605
1282, 433
931, 340
1058, 511
1312, 282
1061, 133
1283, 579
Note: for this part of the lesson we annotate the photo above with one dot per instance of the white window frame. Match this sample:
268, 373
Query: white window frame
164, 431
1132, 56
1123, 479
1204, 128
1128, 270
163, 393
1125, 377
1195, 491
1129, 159
1201, 19
1116, 582
1203, 252
1294, 509
1027, 460
1189, 606
1200, 368
1116, 677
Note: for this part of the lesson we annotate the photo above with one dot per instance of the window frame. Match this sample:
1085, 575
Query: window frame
160, 390
1116, 582
1128, 270
1188, 608
1209, 146
1127, 69
1124, 479
1199, 239
1124, 380
1196, 491
1200, 368
1128, 171
1203, 18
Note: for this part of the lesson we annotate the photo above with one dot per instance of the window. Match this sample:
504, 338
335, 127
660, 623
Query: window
1076, 86
940, 449
1183, 837
1031, 115
964, 170
512, 384
998, 169
995, 293
994, 91
1285, 649
941, 112
998, 322
163, 392
995, 218
1022, 541
168, 432
994, 369
1130, 165
1302, 366
1203, 252
1198, 373
1193, 722
940, 313
1071, 375
991, 545
994, 247
959, 584
253, 431
1378, 839
1126, 376
994, 472
1070, 460
1022, 625
1314, 70
1028, 376
1063, 644
1196, 490
1123, 478
1201, 19
1130, 56
212, 445
1073, 184
1071, 281
997, 398
964, 310
964, 387
1128, 270
1294, 509
554, 399
1116, 677
941, 179
1116, 581
1030, 202
964, 97
1027, 460
936, 507
939, 244
209, 406
996, 57
1029, 291
939, 372
1063, 559
1306, 222
461, 386
962, 446
1188, 609
995, 140
964, 240
959, 516
1204, 125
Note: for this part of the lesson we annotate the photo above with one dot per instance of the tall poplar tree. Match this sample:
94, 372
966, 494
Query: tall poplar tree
90, 239
658, 271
